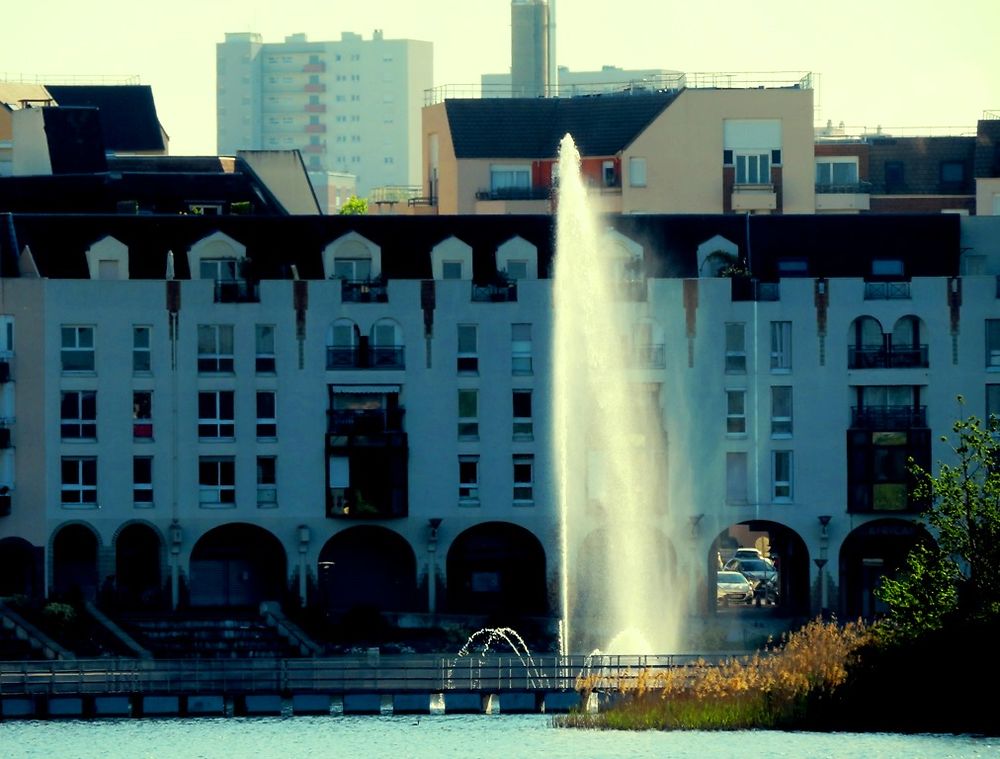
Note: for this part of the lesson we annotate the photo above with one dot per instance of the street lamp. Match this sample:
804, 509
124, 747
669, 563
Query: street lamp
432, 537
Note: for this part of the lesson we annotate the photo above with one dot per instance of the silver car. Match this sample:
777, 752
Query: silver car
732, 588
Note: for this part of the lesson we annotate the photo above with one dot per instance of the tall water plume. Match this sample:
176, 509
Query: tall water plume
617, 595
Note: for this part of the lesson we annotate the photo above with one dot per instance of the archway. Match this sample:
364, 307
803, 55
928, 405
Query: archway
368, 566
74, 562
19, 570
237, 565
497, 568
138, 556
872, 551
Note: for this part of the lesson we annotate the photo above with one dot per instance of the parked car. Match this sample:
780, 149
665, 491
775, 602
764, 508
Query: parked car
751, 553
762, 574
733, 588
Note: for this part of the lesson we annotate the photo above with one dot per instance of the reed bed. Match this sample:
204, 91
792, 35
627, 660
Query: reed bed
771, 688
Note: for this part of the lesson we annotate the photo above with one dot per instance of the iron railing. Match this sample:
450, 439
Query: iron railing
887, 290
237, 291
502, 292
355, 357
363, 291
365, 422
888, 417
887, 357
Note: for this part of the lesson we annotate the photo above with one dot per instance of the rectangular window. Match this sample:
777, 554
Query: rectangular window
836, 173
267, 414
468, 479
736, 348
77, 349
781, 346
637, 172
992, 401
894, 179
267, 482
78, 415
218, 269
736, 412
7, 336
216, 419
736, 478
79, 481
993, 343
753, 168
524, 428
264, 339
468, 414
142, 415
215, 348
468, 349
781, 476
509, 178
952, 172
217, 481
520, 349
781, 411
524, 477
142, 361
451, 269
142, 481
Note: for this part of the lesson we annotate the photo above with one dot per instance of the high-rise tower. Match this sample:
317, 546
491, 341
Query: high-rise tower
532, 48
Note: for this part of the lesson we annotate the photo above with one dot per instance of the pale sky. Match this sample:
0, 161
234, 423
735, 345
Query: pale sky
895, 63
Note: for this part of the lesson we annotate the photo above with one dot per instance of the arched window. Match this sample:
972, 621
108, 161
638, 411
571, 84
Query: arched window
341, 345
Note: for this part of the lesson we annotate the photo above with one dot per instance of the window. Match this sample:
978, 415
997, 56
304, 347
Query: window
141, 355
78, 415
736, 348
468, 414
781, 346
267, 405
217, 481
524, 477
468, 349
520, 349
992, 401
517, 270
353, 269
993, 343
142, 415
753, 168
142, 481
215, 414
781, 476
451, 269
637, 172
79, 481
887, 267
834, 172
264, 341
952, 172
218, 269
524, 428
468, 478
215, 348
736, 478
509, 178
894, 176
77, 351
267, 482
736, 412
781, 411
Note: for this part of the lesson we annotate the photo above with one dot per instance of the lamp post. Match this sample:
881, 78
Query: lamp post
824, 540
176, 538
304, 537
432, 537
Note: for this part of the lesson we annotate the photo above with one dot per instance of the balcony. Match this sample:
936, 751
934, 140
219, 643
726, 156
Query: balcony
648, 356
315, 128
515, 193
754, 197
747, 289
4, 371
238, 291
314, 68
313, 149
314, 87
500, 292
888, 417
363, 291
315, 108
362, 357
887, 357
843, 197
365, 422
354, 503
887, 290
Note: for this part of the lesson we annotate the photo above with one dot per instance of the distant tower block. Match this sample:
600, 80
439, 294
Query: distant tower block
530, 48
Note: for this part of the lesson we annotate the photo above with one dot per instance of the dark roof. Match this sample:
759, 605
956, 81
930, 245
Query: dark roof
74, 140
128, 114
601, 125
832, 246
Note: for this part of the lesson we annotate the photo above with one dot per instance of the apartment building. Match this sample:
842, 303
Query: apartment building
349, 106
205, 411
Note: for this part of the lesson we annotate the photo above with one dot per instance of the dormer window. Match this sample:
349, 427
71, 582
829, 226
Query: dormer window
887, 268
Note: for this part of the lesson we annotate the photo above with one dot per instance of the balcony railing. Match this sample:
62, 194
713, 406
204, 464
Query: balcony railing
887, 290
648, 356
746, 289
888, 417
499, 292
238, 291
363, 291
356, 357
515, 193
849, 188
887, 357
365, 421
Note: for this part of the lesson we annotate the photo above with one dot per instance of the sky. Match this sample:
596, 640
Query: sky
890, 63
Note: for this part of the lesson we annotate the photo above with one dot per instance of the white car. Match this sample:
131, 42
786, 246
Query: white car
733, 588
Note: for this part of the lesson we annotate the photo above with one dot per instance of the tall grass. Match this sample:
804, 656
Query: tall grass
767, 689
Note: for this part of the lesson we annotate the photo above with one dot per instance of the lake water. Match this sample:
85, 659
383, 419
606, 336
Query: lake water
440, 736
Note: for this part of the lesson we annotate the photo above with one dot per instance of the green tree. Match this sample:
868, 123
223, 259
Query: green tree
354, 206
959, 577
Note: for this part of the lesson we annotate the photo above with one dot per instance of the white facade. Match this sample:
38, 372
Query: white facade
350, 106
